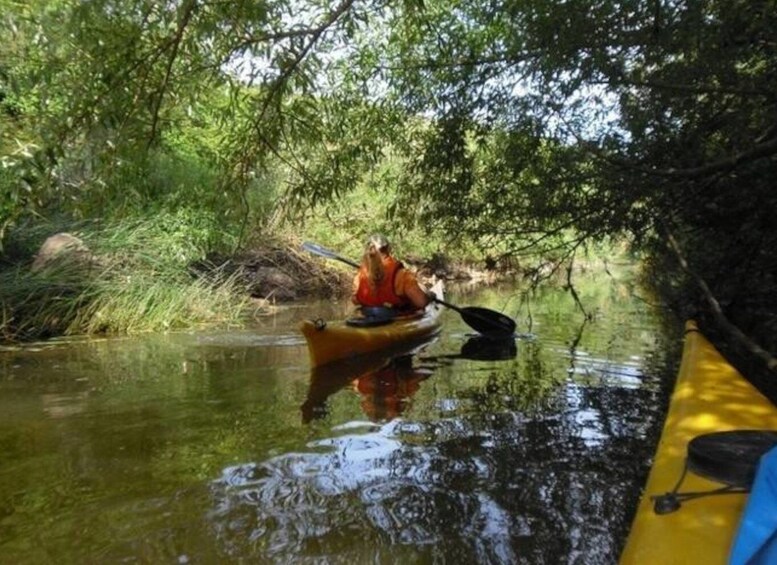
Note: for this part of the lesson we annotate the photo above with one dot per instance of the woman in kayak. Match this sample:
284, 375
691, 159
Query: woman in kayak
383, 281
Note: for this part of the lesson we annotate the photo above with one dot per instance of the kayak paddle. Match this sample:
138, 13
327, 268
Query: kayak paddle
316, 249
482, 320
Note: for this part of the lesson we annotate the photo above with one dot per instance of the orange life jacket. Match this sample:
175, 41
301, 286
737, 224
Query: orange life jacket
384, 293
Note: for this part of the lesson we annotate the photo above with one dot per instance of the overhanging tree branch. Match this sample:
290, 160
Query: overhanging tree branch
188, 11
686, 88
717, 311
291, 66
758, 151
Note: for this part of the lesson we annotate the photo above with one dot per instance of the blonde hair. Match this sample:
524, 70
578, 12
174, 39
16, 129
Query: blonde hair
379, 241
377, 245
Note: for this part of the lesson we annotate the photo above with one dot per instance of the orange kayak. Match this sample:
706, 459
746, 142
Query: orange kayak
333, 341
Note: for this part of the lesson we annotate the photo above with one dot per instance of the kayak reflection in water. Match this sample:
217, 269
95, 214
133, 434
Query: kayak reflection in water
386, 385
385, 390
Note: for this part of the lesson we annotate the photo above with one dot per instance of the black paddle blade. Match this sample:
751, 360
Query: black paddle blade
487, 322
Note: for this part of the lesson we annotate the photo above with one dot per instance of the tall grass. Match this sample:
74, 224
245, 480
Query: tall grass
138, 279
142, 302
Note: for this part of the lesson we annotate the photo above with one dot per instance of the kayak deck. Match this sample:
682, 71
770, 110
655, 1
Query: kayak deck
334, 341
709, 396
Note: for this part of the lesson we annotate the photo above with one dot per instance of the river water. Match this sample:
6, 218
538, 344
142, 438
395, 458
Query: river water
224, 447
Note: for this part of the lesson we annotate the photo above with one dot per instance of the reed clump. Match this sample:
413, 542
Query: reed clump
136, 279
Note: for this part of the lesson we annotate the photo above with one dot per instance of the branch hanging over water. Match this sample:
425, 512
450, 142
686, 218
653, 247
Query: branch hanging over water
717, 311
571, 287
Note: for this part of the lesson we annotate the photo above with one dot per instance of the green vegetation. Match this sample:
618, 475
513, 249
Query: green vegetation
134, 279
513, 131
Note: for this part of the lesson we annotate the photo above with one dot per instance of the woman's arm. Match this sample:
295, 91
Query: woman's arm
355, 289
411, 289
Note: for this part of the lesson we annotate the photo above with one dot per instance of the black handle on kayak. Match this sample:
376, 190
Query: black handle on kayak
482, 320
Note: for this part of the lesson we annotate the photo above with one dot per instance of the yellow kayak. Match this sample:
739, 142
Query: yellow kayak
710, 396
334, 341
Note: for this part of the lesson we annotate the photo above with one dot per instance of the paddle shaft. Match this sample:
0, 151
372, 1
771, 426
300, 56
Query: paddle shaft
448, 304
347, 261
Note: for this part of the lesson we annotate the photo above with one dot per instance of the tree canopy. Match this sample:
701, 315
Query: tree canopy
521, 125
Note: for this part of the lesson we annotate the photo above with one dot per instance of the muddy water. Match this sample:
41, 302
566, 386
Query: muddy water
224, 447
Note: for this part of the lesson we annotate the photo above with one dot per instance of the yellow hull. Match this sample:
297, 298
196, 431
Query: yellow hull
709, 396
337, 340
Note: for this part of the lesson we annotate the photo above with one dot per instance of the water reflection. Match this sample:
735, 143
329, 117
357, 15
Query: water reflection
486, 348
527, 451
387, 383
385, 390
483, 348
494, 483
400, 487
385, 486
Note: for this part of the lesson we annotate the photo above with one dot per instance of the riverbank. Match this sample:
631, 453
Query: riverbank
281, 271
146, 279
